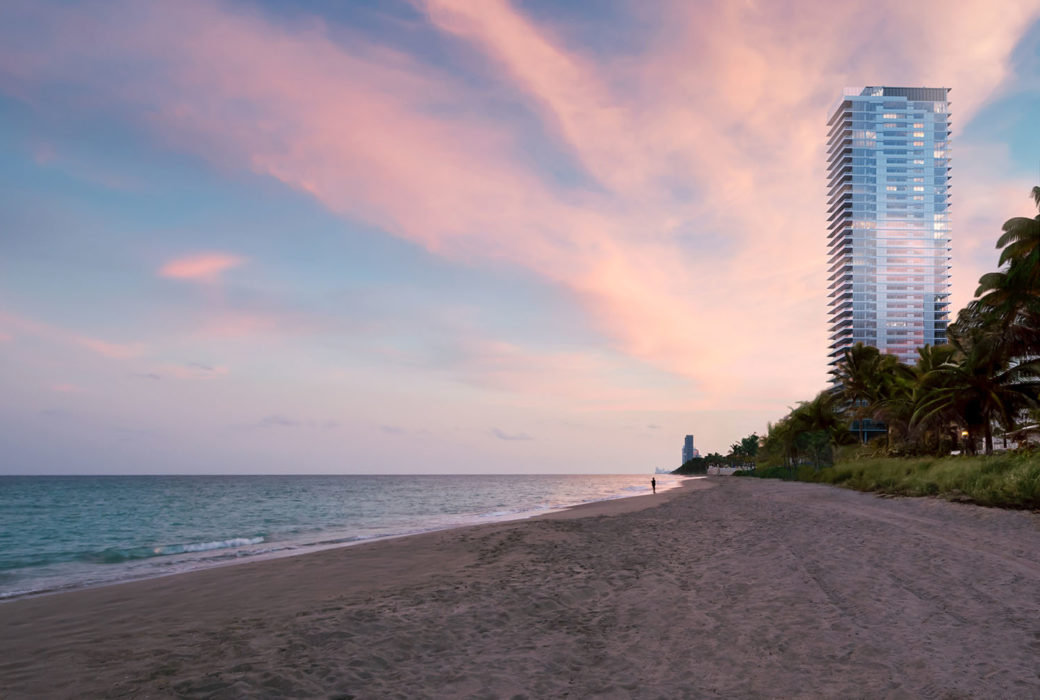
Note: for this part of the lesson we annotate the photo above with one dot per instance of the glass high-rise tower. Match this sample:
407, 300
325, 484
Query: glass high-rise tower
889, 219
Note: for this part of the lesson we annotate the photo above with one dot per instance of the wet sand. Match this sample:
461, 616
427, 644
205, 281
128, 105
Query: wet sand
730, 587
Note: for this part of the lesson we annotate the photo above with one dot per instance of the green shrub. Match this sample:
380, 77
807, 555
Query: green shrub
806, 473
771, 473
1009, 480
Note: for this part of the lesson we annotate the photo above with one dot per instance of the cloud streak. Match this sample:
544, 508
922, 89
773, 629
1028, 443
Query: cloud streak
203, 267
502, 435
31, 327
191, 370
278, 421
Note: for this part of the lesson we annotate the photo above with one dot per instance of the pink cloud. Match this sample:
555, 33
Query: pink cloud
700, 247
66, 388
28, 326
242, 325
115, 351
205, 267
741, 120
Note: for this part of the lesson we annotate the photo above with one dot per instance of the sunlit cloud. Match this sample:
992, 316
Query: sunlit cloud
65, 388
191, 370
231, 324
111, 350
204, 267
115, 351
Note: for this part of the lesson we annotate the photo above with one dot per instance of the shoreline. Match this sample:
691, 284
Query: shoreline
288, 548
720, 586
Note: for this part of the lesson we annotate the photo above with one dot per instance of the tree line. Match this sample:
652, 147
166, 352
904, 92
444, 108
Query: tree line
741, 454
987, 375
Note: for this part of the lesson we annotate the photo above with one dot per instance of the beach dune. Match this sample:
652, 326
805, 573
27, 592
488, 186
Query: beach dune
726, 587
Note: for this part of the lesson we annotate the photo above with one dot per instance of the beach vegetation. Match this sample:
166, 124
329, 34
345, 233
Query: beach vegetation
808, 434
695, 465
890, 427
741, 456
747, 448
1007, 480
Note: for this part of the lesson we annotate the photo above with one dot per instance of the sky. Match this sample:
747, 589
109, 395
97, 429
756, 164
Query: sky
450, 236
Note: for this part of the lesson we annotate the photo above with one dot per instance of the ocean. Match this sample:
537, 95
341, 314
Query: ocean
65, 532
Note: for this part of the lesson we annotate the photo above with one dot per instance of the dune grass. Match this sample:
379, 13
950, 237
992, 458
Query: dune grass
1009, 480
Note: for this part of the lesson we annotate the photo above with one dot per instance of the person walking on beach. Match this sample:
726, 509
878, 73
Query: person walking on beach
653, 484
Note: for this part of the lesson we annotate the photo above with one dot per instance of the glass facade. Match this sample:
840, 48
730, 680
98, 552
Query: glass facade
889, 219
687, 449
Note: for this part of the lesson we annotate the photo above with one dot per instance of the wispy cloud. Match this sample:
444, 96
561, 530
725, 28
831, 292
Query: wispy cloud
105, 348
230, 323
278, 421
45, 154
501, 435
58, 415
190, 370
203, 267
115, 351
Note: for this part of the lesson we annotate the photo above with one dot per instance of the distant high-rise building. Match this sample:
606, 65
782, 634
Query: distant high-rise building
889, 219
688, 450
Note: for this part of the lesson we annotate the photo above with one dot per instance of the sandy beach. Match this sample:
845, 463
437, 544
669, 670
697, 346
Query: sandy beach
726, 587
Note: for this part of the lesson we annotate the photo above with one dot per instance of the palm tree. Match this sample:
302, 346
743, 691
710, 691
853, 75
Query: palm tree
875, 386
859, 375
894, 402
818, 427
927, 433
979, 385
779, 443
1010, 298
749, 445
994, 374
1021, 239
743, 451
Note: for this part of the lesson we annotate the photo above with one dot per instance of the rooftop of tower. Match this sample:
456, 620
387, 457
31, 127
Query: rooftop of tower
911, 93
914, 94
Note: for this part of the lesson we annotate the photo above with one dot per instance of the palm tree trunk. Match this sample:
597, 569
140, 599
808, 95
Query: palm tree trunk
989, 437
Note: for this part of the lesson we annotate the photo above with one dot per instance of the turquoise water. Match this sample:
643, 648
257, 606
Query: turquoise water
62, 532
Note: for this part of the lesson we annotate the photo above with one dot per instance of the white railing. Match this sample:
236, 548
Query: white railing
715, 470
